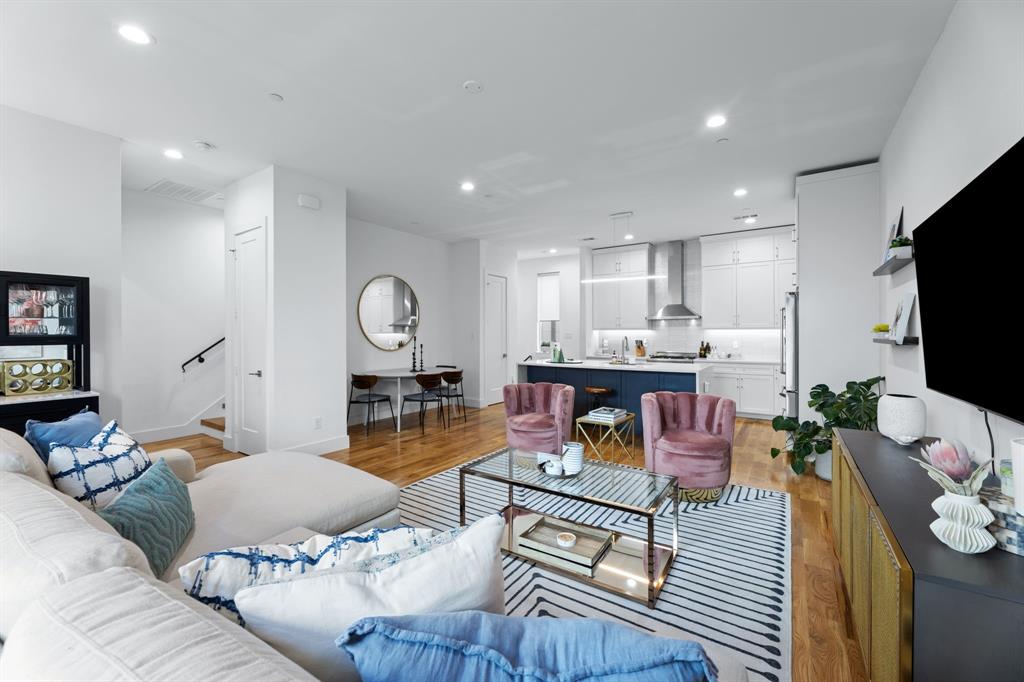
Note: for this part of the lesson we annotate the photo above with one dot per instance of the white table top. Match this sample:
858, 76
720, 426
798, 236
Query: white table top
663, 367
405, 372
44, 397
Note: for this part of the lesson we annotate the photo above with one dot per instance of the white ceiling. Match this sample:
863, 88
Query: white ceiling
589, 107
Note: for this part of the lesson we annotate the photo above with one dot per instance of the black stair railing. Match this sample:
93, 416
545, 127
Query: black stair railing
198, 357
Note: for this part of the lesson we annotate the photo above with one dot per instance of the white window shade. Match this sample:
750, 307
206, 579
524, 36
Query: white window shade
548, 293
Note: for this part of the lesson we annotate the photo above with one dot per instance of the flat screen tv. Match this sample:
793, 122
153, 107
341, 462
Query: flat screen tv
970, 285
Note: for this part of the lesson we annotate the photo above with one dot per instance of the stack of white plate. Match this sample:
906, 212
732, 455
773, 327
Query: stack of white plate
572, 458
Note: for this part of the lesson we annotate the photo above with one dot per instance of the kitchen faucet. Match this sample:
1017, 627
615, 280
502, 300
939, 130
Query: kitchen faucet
625, 347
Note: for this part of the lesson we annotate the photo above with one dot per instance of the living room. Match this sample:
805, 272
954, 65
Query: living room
361, 258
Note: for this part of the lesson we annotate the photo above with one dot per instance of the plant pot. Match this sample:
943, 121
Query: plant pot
901, 252
901, 417
961, 523
823, 466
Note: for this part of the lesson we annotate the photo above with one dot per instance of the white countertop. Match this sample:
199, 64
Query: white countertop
44, 397
735, 361
666, 367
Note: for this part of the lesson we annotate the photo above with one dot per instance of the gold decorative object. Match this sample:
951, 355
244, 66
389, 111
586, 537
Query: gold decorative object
36, 376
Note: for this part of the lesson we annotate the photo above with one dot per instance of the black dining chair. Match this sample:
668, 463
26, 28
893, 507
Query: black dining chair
452, 391
430, 385
366, 382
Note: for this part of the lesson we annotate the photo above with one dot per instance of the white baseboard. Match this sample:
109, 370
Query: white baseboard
322, 447
189, 428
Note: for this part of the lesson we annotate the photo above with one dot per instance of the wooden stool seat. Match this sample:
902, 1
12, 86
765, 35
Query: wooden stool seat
598, 390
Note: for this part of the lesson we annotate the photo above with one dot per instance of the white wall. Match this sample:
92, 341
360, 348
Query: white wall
309, 316
60, 213
172, 307
424, 264
838, 248
966, 109
524, 331
466, 288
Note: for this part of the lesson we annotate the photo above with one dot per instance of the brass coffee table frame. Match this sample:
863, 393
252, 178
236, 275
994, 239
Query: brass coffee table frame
613, 436
635, 568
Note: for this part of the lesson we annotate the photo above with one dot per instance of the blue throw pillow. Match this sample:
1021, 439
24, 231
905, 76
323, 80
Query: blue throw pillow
154, 512
473, 645
77, 430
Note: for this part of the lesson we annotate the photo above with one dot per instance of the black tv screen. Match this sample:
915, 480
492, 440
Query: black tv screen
970, 287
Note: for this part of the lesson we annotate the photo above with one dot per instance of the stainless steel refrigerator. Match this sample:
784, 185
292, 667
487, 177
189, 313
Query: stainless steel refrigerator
788, 369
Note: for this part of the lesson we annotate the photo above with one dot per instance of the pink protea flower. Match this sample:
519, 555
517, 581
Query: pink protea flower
951, 458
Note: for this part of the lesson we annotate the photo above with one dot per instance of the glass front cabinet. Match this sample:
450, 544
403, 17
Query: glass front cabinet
51, 312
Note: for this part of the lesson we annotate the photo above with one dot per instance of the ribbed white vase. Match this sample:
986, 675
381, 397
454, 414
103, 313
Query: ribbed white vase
961, 523
901, 417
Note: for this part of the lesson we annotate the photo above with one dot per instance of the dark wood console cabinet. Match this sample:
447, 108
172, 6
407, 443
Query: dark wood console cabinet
921, 611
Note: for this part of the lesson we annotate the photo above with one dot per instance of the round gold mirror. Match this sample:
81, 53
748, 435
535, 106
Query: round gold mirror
388, 312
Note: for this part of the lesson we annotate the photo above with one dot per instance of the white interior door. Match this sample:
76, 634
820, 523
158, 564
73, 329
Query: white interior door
495, 339
251, 339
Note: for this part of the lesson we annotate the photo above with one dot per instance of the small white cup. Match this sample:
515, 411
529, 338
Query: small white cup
566, 540
553, 468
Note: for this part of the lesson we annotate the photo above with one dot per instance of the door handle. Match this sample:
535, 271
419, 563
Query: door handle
257, 373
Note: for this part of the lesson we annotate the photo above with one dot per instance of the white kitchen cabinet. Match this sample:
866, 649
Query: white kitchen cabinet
785, 245
756, 249
606, 263
717, 252
621, 303
755, 394
754, 296
718, 296
785, 281
743, 280
723, 385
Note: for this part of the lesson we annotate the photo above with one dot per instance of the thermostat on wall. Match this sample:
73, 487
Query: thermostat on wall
309, 201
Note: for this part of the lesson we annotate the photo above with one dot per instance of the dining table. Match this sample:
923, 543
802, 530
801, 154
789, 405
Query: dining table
404, 376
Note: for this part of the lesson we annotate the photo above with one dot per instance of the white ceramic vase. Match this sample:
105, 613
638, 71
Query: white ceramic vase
961, 523
901, 417
823, 466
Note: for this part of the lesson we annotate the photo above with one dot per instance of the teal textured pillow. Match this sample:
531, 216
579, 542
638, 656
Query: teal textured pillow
154, 512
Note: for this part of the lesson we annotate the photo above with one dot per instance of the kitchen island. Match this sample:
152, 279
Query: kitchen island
627, 381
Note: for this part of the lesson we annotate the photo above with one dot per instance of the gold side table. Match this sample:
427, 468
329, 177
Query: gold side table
611, 438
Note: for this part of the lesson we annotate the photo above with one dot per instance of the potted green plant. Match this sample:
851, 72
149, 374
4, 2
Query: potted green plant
856, 407
901, 247
881, 330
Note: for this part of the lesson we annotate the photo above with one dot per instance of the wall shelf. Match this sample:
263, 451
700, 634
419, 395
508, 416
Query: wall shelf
907, 341
892, 265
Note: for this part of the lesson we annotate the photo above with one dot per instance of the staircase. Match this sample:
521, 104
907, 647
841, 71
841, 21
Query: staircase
213, 426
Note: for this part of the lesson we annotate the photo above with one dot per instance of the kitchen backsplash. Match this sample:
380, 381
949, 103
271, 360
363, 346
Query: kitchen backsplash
745, 344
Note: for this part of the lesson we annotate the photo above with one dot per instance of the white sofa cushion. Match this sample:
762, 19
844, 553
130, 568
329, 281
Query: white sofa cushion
215, 578
19, 457
95, 474
302, 618
47, 539
245, 500
123, 625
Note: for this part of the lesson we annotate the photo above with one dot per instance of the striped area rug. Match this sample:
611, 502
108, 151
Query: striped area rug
730, 584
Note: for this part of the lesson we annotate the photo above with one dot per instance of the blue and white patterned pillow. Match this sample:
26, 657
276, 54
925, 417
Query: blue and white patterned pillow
216, 578
96, 473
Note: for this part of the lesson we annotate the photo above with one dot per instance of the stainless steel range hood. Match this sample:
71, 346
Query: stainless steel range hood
668, 258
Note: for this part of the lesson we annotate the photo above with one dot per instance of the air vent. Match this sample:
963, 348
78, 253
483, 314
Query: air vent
176, 190
588, 239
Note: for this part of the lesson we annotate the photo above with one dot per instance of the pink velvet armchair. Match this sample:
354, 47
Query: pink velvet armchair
538, 416
689, 436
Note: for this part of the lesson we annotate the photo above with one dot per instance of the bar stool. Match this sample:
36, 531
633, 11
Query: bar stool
453, 391
597, 394
431, 393
366, 382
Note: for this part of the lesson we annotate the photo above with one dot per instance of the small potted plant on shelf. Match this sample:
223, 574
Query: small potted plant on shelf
881, 330
901, 246
856, 407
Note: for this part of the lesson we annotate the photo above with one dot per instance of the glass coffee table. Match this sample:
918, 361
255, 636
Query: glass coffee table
634, 567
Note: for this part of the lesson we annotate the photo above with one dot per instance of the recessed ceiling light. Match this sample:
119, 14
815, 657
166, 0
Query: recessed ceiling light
174, 154
627, 237
468, 186
739, 192
552, 250
715, 121
750, 221
134, 34
473, 87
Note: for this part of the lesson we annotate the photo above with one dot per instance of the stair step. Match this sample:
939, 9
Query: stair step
215, 423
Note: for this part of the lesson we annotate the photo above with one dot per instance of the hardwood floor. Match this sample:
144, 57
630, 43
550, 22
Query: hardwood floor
824, 642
